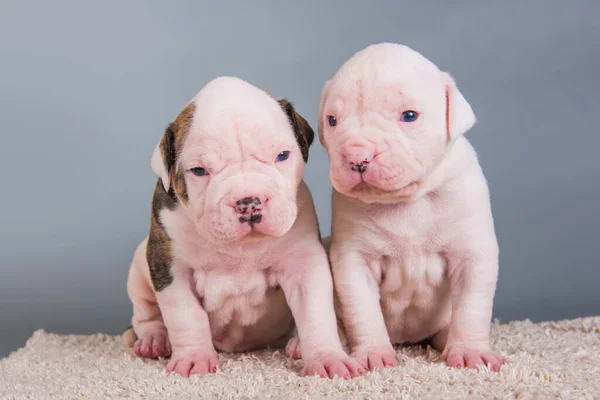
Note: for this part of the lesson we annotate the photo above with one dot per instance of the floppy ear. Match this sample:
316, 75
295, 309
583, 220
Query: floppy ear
163, 158
324, 94
302, 130
459, 114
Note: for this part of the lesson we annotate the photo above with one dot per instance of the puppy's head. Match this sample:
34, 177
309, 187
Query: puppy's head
234, 158
386, 119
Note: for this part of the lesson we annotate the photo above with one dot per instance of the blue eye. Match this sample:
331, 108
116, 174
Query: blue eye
199, 171
409, 116
284, 155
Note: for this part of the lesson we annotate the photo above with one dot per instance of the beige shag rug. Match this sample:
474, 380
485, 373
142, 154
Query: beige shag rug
546, 360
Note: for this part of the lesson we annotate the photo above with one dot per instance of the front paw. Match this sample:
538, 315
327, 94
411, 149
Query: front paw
376, 357
187, 362
152, 344
293, 348
460, 356
332, 365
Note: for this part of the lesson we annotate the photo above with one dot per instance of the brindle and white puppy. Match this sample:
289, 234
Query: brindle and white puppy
234, 253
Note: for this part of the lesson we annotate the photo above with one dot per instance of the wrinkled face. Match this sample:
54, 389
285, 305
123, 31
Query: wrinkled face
385, 121
239, 164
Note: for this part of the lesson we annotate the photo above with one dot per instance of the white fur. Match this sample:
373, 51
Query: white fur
236, 287
414, 253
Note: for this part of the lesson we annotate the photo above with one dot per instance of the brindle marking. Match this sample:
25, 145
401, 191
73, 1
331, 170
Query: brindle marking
171, 145
158, 251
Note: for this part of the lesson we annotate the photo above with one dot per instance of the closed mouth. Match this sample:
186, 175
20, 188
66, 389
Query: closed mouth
363, 187
251, 219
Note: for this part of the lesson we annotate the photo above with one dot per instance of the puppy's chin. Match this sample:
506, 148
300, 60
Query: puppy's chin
370, 192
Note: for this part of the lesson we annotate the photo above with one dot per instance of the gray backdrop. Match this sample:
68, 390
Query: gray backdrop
86, 89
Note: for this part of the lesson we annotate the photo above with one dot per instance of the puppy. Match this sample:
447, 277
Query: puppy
414, 253
234, 254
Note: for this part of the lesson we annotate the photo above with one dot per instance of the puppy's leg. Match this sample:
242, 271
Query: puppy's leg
293, 346
473, 284
149, 337
188, 327
338, 316
358, 292
308, 287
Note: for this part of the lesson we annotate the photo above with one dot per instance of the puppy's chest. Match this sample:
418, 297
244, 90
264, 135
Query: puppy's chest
409, 229
409, 249
246, 288
223, 279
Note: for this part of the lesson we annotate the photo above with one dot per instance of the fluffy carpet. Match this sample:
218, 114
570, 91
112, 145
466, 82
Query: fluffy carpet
546, 360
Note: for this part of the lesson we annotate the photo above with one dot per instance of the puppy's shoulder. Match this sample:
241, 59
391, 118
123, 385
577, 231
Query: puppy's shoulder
306, 227
465, 185
165, 223
305, 203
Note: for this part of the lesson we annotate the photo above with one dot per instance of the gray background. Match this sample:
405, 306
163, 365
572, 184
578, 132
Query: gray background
86, 89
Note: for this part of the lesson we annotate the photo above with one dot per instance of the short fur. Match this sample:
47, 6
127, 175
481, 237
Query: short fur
414, 254
234, 256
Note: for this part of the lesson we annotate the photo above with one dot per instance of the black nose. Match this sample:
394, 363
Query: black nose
250, 210
360, 167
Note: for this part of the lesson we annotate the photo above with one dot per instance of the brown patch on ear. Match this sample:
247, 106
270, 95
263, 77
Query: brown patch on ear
158, 250
167, 150
174, 137
182, 125
302, 130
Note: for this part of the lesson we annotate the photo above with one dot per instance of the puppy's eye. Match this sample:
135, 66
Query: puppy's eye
198, 171
409, 116
332, 121
284, 155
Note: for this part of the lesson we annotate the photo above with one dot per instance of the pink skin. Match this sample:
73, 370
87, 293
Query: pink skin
465, 358
293, 348
373, 358
329, 368
413, 249
198, 362
153, 345
238, 287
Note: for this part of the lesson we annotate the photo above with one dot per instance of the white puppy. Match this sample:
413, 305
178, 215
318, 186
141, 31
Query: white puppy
414, 253
234, 254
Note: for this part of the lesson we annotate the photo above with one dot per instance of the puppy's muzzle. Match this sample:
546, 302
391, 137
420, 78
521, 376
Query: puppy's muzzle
250, 210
